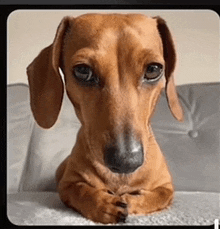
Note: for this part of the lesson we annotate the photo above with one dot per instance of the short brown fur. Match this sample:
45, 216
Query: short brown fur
117, 47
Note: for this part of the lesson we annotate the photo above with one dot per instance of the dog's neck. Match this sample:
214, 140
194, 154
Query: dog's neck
118, 183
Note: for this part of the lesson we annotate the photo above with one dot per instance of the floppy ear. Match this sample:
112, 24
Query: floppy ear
46, 86
170, 60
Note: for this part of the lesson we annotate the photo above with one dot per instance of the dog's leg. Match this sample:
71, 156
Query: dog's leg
144, 201
99, 205
60, 170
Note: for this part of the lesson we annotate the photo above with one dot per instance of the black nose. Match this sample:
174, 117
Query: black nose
124, 156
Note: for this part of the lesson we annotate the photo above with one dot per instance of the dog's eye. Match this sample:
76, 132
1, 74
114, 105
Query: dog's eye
153, 73
83, 72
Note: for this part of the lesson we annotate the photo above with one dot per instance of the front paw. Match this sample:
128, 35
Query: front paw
134, 202
142, 202
109, 208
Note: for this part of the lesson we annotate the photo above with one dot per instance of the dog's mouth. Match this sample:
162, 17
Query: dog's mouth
114, 169
123, 170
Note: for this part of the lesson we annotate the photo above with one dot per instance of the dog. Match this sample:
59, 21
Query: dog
114, 66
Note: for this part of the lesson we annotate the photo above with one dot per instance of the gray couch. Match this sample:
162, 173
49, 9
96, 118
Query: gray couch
191, 149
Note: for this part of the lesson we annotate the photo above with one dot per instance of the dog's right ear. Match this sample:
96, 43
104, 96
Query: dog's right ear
170, 60
46, 86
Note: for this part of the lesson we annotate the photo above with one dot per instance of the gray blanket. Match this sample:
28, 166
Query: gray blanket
45, 208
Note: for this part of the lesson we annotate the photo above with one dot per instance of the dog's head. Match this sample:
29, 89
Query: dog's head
113, 67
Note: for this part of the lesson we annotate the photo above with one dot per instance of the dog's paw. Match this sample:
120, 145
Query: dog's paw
109, 209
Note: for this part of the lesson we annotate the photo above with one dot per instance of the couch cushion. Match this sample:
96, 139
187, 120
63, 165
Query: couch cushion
19, 128
48, 148
46, 208
192, 147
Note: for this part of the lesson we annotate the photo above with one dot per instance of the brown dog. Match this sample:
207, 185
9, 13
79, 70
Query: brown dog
113, 66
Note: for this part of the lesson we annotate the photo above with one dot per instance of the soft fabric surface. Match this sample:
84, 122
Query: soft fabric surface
32, 148
20, 124
192, 147
45, 208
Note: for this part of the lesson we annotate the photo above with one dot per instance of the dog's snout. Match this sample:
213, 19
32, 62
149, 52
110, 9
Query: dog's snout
124, 156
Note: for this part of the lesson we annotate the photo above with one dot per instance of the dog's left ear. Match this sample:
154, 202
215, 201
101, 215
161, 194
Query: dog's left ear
45, 83
170, 61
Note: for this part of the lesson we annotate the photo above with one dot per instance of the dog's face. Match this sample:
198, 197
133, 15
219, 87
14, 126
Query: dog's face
114, 67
